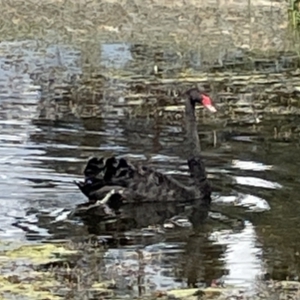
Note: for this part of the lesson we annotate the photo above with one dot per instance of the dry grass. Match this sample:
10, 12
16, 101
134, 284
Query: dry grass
206, 25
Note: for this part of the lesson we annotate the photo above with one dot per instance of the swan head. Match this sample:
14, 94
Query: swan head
196, 95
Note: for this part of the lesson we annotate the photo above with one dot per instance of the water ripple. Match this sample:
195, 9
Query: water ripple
40, 158
254, 181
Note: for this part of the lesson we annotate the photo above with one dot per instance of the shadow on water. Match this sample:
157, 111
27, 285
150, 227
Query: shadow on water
250, 148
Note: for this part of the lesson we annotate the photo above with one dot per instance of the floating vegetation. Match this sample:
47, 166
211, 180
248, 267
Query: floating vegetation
20, 275
47, 271
37, 254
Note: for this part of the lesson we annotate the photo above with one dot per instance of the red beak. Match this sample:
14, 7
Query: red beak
206, 102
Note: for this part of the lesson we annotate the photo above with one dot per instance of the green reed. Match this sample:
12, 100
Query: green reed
294, 13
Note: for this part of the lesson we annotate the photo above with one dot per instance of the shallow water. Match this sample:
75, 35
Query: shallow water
253, 167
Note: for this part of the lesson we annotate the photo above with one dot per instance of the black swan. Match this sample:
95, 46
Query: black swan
115, 182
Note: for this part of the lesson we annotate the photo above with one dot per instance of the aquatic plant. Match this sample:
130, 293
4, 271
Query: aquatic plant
294, 13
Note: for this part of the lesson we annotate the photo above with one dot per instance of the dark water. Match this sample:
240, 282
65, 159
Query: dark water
252, 161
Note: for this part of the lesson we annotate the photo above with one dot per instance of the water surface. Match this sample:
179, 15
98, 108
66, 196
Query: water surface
251, 158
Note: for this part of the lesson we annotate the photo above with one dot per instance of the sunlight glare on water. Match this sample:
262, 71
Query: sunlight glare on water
242, 256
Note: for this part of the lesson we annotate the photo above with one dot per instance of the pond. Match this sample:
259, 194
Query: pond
250, 148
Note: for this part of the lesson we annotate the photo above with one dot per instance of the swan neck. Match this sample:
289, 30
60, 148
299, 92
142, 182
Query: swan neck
193, 144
